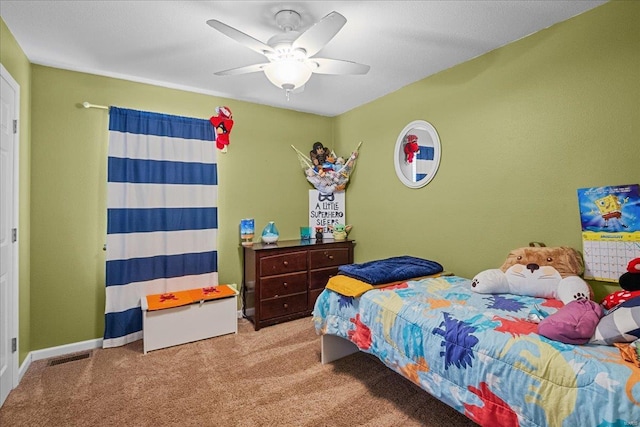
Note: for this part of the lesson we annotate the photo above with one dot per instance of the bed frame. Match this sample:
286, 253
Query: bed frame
333, 347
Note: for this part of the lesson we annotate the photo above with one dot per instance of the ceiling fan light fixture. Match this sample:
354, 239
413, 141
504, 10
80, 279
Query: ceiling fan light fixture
291, 54
288, 74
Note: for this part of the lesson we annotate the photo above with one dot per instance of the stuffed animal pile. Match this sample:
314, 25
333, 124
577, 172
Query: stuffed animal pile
327, 172
555, 273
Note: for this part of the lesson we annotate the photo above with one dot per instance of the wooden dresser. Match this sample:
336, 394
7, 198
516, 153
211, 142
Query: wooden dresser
283, 280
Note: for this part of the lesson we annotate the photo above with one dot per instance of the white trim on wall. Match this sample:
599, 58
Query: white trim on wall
60, 350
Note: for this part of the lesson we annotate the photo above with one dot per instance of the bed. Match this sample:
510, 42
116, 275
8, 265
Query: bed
480, 354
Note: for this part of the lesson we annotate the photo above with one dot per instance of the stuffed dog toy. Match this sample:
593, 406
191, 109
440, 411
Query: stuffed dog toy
548, 272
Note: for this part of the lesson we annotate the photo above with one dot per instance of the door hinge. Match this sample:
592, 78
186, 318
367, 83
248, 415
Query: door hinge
15, 126
14, 235
14, 345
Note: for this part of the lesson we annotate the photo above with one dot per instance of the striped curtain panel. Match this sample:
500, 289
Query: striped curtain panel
162, 216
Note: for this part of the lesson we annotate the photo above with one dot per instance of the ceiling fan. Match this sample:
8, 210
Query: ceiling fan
290, 53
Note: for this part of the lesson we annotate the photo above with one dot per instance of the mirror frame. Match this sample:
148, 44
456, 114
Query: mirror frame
398, 152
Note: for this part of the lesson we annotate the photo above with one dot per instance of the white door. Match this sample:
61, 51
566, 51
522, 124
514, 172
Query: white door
8, 222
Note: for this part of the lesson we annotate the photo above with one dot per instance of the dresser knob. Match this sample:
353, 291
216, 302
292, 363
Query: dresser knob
286, 263
285, 284
285, 305
330, 256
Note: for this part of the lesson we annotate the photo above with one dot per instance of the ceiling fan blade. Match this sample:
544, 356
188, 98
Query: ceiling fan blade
242, 70
316, 37
336, 66
240, 37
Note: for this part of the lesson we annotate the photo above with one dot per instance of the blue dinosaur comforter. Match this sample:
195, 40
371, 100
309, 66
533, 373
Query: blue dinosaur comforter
479, 354
391, 269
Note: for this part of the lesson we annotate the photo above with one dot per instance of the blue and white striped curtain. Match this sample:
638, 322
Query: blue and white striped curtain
162, 216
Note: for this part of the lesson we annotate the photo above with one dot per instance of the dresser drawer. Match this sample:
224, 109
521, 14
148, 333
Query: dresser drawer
284, 284
282, 306
319, 258
284, 263
318, 278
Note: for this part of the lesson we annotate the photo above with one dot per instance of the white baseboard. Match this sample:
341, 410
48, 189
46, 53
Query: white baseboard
23, 368
60, 350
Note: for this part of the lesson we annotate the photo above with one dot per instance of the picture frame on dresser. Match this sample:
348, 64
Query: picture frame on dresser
281, 281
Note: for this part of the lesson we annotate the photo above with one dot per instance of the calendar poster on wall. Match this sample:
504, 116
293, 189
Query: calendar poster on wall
610, 220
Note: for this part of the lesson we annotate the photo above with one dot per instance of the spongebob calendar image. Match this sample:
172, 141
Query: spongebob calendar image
610, 219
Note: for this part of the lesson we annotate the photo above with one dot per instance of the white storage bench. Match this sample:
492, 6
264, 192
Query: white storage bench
180, 317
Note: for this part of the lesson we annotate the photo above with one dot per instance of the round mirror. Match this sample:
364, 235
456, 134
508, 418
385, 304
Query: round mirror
417, 154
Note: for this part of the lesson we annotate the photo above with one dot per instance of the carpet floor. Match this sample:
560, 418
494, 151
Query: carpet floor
272, 377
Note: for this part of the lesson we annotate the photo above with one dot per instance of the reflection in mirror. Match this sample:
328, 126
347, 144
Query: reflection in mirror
417, 154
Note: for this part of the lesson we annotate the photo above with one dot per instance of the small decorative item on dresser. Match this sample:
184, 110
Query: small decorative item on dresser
270, 233
340, 231
247, 231
305, 233
319, 231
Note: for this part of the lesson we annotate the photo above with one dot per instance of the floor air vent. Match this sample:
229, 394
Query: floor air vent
71, 358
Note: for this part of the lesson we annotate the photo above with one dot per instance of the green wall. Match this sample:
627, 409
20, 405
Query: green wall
522, 128
16, 63
256, 179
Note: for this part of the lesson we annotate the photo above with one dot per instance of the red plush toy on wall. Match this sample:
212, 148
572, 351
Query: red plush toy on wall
411, 147
222, 123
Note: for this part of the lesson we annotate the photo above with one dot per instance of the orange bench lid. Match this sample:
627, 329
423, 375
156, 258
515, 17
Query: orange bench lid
180, 298
169, 300
212, 292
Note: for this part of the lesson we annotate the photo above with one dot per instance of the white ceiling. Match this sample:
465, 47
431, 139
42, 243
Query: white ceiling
168, 43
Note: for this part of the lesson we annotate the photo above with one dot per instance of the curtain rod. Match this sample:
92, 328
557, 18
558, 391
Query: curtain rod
89, 105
